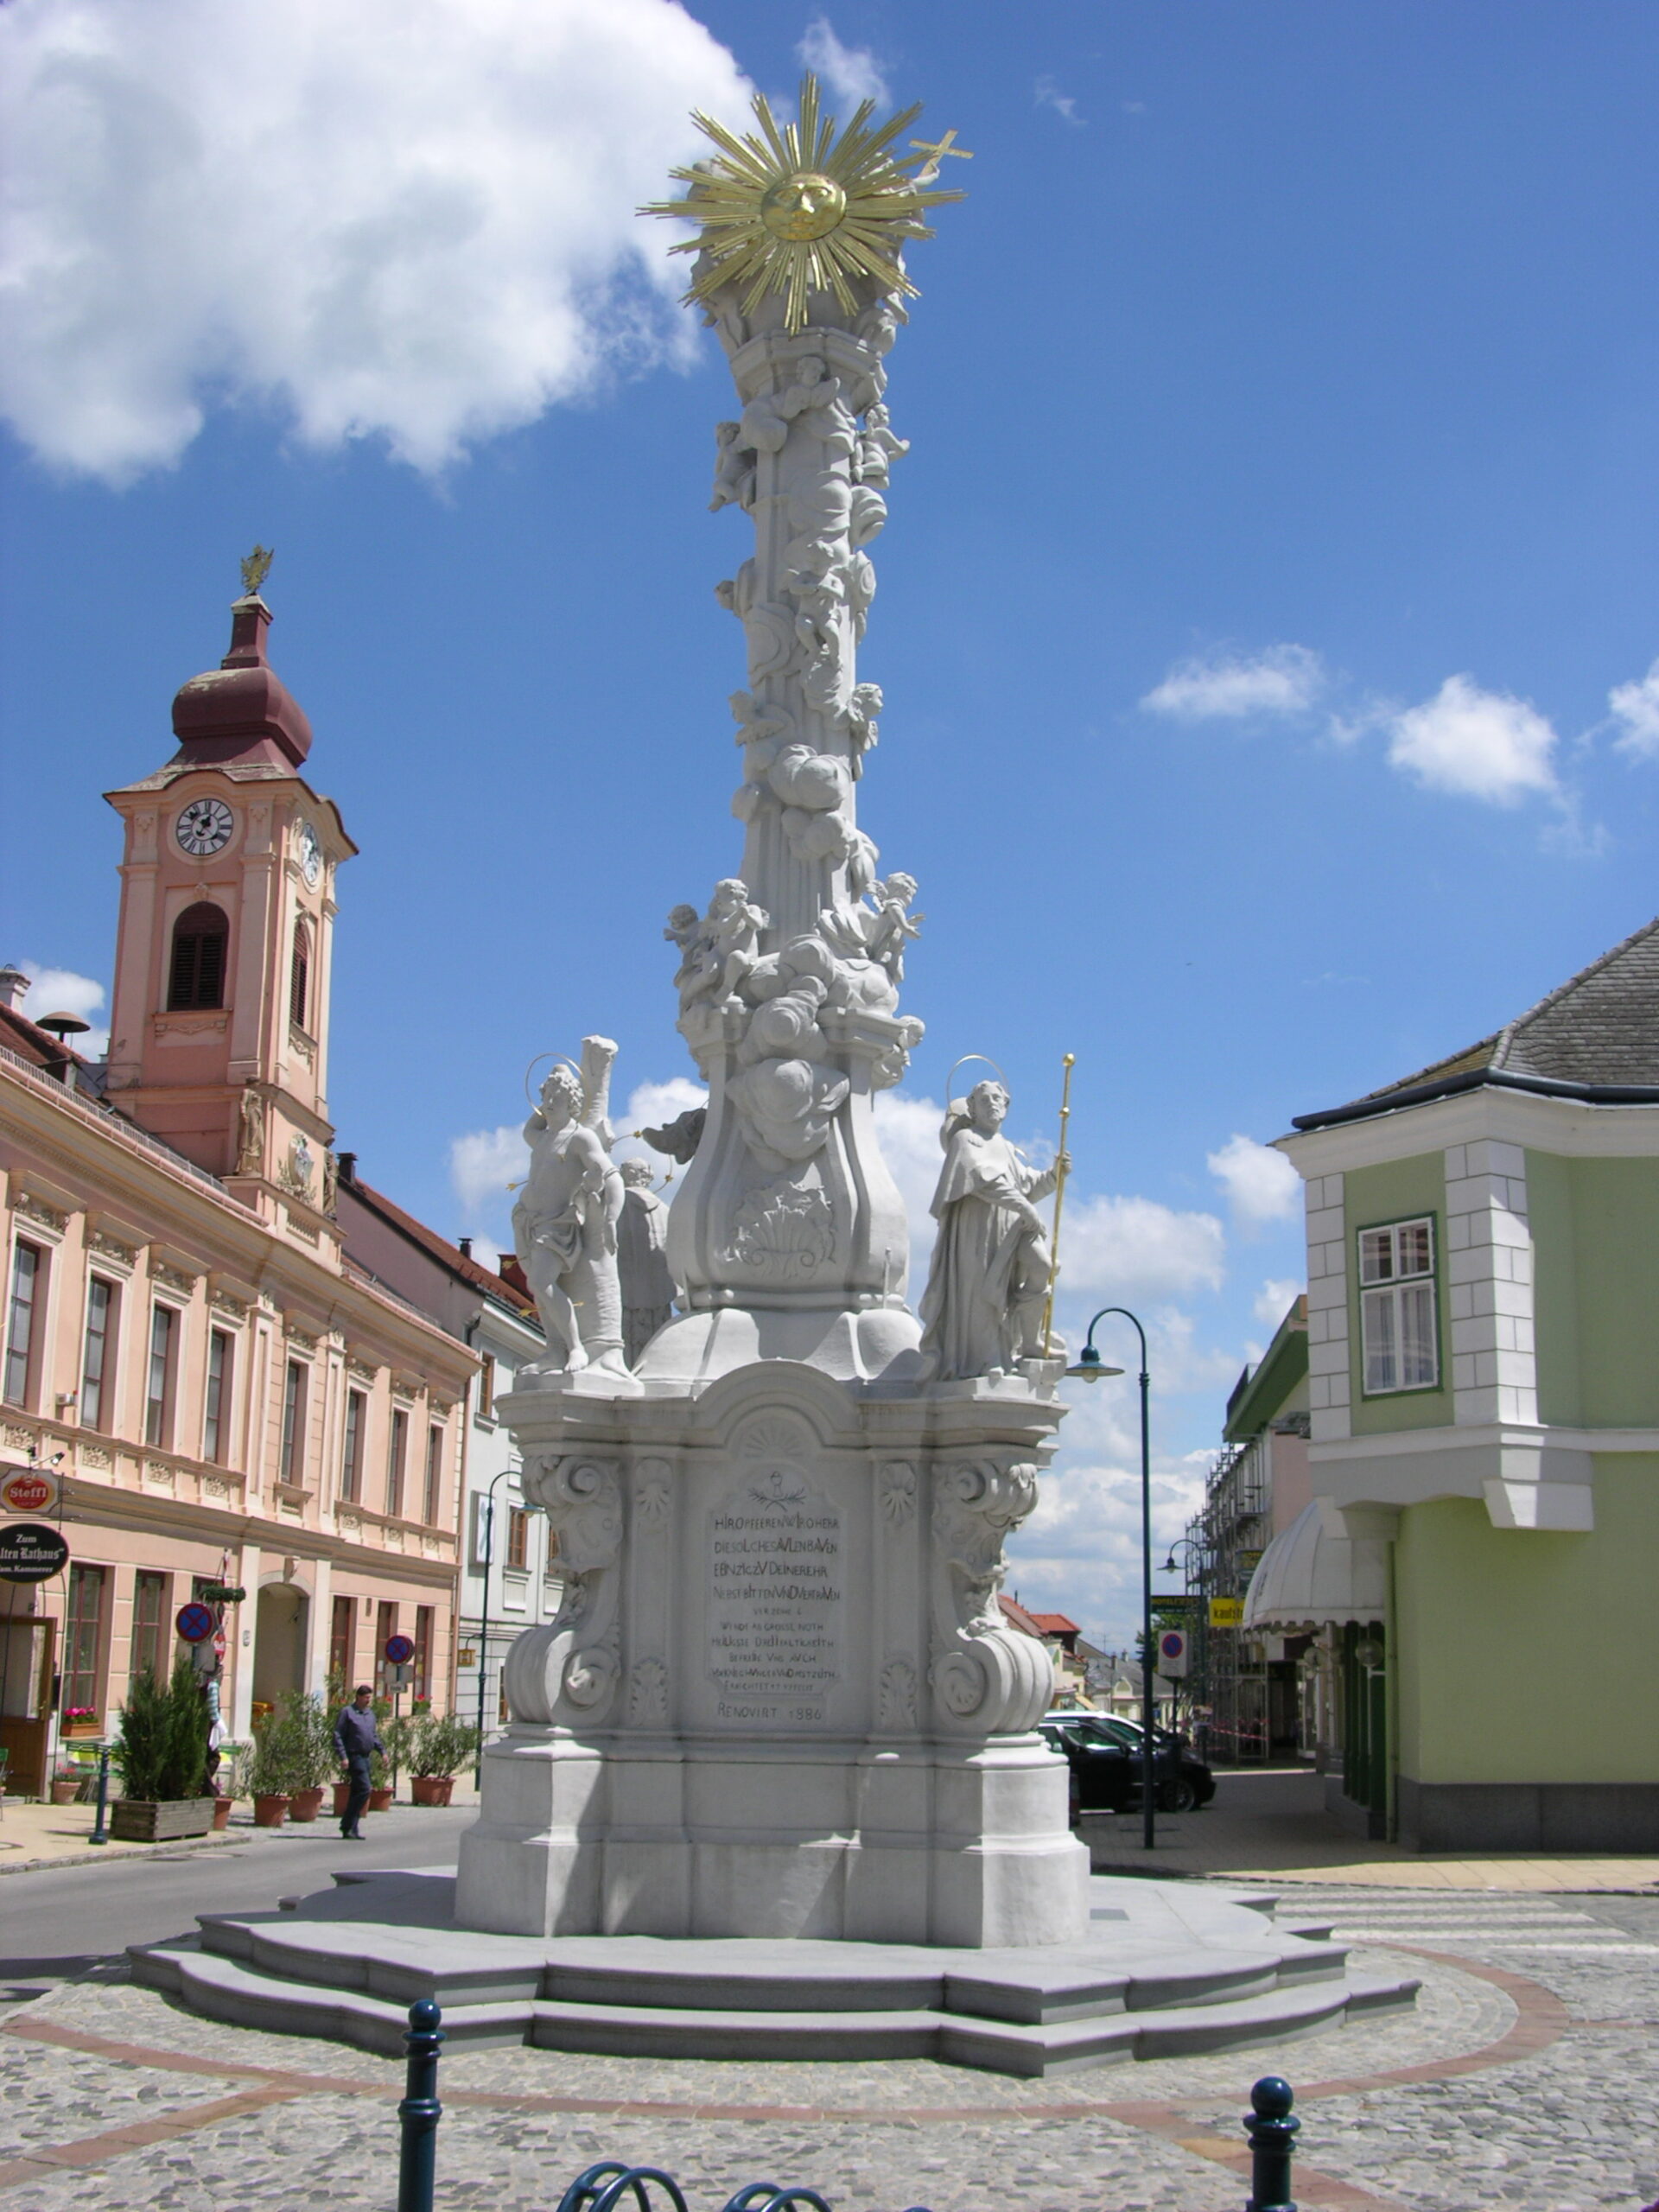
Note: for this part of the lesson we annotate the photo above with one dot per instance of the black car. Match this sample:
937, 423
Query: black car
1104, 1755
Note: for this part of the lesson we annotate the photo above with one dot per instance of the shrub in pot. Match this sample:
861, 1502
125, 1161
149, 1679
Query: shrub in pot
271, 1771
66, 1785
160, 1753
439, 1747
309, 1731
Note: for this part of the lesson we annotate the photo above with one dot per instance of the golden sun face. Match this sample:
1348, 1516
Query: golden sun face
796, 210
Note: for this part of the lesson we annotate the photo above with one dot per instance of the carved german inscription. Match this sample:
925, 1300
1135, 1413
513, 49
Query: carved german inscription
775, 1598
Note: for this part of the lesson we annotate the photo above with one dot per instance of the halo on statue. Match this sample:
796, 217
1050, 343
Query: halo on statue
984, 1059
561, 1059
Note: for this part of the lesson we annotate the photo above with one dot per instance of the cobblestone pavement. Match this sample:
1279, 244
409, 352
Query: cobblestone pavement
1526, 2075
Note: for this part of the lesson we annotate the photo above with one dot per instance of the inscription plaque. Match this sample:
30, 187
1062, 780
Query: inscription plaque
774, 1599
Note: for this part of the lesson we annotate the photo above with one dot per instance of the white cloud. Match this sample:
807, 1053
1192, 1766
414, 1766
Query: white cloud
1261, 1184
60, 990
415, 225
1636, 706
1476, 744
908, 1130
851, 73
1080, 1551
1135, 1248
1283, 680
482, 1163
488, 1253
1272, 1301
1047, 93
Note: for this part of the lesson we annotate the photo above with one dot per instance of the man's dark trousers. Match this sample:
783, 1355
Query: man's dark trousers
358, 1770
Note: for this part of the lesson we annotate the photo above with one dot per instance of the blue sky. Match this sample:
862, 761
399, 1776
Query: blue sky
1267, 613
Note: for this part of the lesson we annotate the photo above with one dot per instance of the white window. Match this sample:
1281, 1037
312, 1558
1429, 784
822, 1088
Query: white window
1398, 1324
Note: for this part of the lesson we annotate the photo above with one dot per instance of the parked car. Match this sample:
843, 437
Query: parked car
1104, 1753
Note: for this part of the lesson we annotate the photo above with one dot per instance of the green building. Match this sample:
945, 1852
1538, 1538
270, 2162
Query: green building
1483, 1318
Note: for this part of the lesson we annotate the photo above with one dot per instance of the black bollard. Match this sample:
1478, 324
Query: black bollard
100, 1827
420, 2110
1272, 2133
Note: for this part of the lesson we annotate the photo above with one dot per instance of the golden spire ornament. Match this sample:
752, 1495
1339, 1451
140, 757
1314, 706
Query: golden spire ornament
796, 210
255, 567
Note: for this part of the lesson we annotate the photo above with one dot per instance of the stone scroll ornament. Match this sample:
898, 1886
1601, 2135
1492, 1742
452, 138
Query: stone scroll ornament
564, 1673
985, 1679
789, 979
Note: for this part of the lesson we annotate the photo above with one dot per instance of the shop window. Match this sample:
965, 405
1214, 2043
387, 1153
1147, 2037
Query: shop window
149, 1624
83, 1641
195, 975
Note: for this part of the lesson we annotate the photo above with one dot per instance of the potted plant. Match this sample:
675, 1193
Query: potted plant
160, 1753
270, 1773
80, 1720
230, 1783
310, 1733
439, 1748
381, 1795
66, 1785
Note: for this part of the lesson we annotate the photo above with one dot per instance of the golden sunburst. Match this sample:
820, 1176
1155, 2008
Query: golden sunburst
796, 210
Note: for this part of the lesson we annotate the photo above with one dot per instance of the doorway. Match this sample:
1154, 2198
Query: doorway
282, 1622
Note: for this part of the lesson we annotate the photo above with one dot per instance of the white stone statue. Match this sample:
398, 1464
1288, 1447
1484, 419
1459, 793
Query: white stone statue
983, 1308
722, 950
565, 1223
648, 1288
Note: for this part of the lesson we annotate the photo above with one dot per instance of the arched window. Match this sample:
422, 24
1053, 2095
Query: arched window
299, 976
195, 977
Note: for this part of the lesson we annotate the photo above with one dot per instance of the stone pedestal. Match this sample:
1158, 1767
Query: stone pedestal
779, 1699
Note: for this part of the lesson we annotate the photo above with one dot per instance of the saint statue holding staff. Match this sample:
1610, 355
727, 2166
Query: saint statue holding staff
983, 1308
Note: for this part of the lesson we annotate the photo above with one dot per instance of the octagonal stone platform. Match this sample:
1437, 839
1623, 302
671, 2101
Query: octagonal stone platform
1166, 1968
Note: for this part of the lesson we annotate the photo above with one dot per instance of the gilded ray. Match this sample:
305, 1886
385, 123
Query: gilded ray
796, 210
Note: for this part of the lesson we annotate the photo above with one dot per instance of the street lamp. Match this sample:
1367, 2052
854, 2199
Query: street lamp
1090, 1368
484, 1632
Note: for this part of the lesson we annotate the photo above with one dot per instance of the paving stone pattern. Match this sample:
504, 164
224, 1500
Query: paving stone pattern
1573, 2126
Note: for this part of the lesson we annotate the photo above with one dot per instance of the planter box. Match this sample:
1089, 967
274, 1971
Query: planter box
430, 1789
133, 1821
380, 1801
269, 1812
305, 1804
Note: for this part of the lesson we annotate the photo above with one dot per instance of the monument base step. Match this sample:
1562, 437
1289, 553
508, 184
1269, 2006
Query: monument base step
1167, 1969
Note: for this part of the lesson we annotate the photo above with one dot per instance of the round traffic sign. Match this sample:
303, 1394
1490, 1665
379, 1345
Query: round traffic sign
28, 1490
195, 1622
400, 1649
30, 1552
1172, 1642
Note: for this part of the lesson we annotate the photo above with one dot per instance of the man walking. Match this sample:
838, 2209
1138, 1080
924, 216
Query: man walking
356, 1737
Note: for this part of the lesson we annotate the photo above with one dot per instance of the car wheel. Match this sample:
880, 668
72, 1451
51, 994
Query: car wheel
1177, 1794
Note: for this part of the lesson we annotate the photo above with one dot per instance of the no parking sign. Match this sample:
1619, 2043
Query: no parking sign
1172, 1653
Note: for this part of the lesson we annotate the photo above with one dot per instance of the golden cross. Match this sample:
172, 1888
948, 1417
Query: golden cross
935, 153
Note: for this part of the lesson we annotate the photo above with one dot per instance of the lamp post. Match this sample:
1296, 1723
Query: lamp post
487, 1561
1090, 1368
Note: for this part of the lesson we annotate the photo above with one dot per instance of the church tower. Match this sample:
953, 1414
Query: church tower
219, 1038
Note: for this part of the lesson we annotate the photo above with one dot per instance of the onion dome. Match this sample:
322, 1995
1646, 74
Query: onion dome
240, 712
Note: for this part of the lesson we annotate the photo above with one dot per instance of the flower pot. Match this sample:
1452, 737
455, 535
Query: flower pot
305, 1804
342, 1799
269, 1812
380, 1801
83, 1730
65, 1792
142, 1821
222, 1814
430, 1789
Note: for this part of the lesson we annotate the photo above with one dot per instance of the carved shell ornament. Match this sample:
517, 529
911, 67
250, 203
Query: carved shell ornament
795, 210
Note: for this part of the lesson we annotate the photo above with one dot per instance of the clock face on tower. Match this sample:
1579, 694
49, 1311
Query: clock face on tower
310, 855
205, 827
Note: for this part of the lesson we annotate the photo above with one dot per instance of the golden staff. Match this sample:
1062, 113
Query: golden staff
1069, 1063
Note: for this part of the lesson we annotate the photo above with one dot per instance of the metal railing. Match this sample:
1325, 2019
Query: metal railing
602, 2188
115, 1123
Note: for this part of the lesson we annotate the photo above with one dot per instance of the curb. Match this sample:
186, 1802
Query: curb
179, 1849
